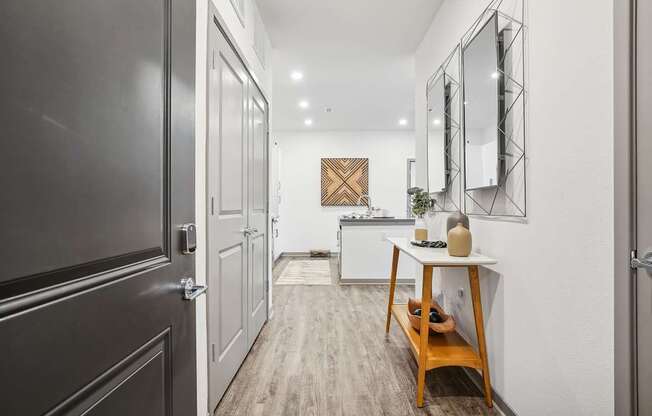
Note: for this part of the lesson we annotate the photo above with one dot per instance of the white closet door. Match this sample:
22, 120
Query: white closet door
228, 248
258, 161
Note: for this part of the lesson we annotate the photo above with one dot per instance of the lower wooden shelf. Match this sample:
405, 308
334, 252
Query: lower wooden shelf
443, 349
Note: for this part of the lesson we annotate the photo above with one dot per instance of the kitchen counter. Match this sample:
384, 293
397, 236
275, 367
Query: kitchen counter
376, 221
364, 253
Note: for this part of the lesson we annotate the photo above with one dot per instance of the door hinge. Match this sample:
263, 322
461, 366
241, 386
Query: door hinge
213, 59
212, 205
213, 352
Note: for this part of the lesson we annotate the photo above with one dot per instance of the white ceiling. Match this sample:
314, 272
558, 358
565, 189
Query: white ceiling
357, 57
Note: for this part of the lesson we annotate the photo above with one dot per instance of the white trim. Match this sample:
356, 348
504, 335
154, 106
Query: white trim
240, 13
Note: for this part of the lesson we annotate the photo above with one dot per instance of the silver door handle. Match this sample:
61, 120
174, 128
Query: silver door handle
190, 290
645, 263
249, 231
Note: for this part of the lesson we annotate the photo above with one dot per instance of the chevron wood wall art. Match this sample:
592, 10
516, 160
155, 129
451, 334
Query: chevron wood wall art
343, 181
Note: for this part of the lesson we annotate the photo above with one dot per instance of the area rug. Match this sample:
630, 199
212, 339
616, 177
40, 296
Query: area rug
306, 272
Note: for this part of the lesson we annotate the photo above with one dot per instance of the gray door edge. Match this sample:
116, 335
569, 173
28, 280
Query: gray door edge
624, 208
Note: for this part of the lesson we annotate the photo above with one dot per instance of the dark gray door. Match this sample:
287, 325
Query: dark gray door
96, 178
644, 206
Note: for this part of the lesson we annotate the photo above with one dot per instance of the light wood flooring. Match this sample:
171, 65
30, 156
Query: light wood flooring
325, 353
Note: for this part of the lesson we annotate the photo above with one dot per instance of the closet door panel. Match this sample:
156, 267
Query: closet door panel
228, 245
258, 159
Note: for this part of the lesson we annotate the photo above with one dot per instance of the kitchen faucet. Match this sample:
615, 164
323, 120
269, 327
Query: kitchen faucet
368, 202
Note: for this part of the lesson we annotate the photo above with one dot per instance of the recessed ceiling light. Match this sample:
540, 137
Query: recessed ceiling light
436, 122
296, 75
307, 122
304, 104
402, 122
494, 75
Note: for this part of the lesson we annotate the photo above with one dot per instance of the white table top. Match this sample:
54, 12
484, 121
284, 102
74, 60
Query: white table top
438, 256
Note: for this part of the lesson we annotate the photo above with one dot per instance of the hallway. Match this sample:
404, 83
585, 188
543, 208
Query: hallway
326, 208
339, 362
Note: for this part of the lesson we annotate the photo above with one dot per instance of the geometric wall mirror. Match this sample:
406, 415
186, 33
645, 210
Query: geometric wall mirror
493, 112
444, 135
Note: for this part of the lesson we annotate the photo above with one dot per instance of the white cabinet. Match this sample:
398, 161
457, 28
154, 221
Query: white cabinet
365, 254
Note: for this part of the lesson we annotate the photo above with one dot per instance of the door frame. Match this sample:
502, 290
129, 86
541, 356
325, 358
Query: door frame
625, 364
214, 18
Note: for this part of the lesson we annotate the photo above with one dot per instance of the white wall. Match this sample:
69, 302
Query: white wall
549, 302
305, 224
242, 37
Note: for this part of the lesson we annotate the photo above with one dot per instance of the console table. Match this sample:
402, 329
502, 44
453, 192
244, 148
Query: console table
440, 350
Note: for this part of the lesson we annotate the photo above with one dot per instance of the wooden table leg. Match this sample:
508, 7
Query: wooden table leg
426, 294
474, 280
392, 286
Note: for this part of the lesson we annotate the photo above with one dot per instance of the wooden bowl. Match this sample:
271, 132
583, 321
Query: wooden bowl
447, 326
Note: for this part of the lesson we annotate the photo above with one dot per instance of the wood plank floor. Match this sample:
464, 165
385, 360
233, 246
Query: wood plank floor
325, 353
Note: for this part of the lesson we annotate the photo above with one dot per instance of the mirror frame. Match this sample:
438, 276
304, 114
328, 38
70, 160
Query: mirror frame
509, 197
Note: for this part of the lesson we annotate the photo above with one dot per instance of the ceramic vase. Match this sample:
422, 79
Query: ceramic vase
456, 217
459, 241
420, 229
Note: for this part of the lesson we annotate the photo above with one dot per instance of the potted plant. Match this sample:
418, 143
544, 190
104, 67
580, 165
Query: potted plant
421, 203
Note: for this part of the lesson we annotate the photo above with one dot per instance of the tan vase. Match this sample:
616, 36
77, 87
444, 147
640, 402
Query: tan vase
459, 241
420, 229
